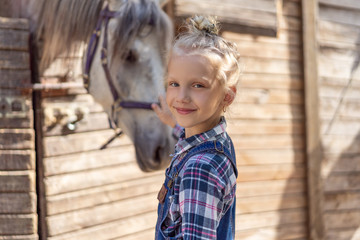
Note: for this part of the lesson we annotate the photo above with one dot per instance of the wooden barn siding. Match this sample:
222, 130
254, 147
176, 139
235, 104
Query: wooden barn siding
266, 123
339, 94
18, 217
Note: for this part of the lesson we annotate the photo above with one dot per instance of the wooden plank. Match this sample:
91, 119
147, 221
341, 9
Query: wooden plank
270, 219
87, 124
270, 156
338, 69
14, 40
14, 60
80, 142
11, 160
340, 127
313, 139
350, 4
19, 224
291, 9
343, 234
270, 203
337, 32
343, 219
84, 218
267, 111
339, 15
123, 227
14, 78
265, 188
270, 96
342, 53
147, 234
104, 194
285, 231
271, 66
17, 203
16, 139
17, 181
341, 144
251, 142
340, 163
347, 108
270, 172
339, 81
20, 237
335, 91
273, 81
93, 178
341, 201
342, 182
14, 23
88, 160
264, 127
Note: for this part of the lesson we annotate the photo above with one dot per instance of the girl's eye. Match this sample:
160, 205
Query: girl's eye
198, 85
173, 84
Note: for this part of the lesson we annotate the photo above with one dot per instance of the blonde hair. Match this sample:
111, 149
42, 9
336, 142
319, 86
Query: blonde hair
201, 37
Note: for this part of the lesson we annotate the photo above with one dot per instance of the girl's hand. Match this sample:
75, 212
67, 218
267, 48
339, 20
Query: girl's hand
163, 112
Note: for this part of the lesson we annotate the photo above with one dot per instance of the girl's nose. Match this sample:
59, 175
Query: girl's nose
183, 95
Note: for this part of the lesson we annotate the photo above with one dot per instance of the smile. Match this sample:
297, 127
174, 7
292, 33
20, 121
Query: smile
184, 111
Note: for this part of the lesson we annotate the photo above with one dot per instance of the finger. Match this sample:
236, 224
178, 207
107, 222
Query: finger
162, 101
155, 107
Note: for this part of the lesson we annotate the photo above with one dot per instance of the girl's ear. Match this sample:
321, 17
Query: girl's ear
230, 96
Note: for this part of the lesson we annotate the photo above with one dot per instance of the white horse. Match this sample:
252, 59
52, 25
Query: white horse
137, 35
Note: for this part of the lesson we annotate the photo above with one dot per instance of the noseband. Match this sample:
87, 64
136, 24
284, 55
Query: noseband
104, 18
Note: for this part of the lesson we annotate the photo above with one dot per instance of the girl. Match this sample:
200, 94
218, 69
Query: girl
197, 199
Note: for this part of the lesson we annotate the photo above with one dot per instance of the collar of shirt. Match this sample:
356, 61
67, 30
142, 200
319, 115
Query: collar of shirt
185, 144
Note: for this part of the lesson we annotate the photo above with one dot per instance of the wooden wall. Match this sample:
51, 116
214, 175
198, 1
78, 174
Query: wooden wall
18, 208
267, 126
339, 97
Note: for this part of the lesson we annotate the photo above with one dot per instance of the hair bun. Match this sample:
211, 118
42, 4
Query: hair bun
207, 24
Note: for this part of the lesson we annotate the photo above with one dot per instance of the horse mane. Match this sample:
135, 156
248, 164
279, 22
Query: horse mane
64, 24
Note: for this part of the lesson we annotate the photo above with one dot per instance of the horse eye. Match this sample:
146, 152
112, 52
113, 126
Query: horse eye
131, 56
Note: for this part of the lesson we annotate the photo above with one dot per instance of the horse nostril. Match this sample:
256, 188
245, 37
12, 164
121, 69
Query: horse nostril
157, 156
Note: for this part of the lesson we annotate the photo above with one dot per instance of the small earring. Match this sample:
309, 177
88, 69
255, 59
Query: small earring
224, 108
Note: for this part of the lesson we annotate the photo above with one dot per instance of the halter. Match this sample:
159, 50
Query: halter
104, 18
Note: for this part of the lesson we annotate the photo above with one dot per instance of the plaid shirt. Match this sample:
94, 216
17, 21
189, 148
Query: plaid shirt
204, 189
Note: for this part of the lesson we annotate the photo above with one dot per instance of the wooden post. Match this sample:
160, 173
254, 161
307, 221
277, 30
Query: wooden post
313, 138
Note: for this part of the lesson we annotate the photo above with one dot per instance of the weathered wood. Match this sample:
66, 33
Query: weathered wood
14, 23
264, 127
337, 32
14, 60
268, 142
257, 14
342, 182
291, 231
348, 4
88, 160
72, 221
267, 111
270, 172
147, 234
16, 139
270, 96
291, 9
20, 237
342, 219
11, 160
76, 143
14, 78
123, 227
343, 234
335, 91
93, 178
268, 219
104, 194
340, 163
18, 224
264, 188
341, 144
271, 66
273, 81
349, 108
270, 203
270, 156
338, 69
17, 181
313, 141
14, 40
340, 15
16, 203
341, 201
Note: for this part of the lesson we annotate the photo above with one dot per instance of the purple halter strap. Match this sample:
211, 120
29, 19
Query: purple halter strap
104, 18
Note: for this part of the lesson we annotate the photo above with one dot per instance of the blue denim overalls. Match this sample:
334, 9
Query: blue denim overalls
226, 228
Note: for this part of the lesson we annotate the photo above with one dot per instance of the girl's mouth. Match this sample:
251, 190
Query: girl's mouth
184, 111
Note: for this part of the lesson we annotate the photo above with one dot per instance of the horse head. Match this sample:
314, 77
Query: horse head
137, 35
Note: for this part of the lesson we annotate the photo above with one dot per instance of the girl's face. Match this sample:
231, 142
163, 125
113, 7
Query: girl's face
195, 97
